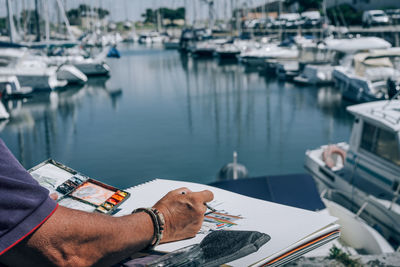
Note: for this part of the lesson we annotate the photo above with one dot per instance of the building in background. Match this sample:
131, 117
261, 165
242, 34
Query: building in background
361, 5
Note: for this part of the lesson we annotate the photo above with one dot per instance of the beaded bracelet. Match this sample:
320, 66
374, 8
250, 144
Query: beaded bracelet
158, 222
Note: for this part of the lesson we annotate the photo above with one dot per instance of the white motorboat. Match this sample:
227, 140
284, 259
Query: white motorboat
10, 87
356, 236
4, 115
287, 70
315, 74
233, 50
330, 50
34, 74
355, 232
366, 80
71, 74
92, 66
151, 38
366, 170
171, 43
259, 56
353, 45
229, 50
204, 48
23, 62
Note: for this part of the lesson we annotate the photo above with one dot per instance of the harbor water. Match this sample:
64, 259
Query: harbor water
164, 115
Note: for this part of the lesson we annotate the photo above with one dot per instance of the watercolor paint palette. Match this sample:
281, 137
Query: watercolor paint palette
77, 191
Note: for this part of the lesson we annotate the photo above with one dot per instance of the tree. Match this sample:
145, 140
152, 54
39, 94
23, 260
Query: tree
83, 10
344, 15
102, 13
305, 5
150, 15
3, 26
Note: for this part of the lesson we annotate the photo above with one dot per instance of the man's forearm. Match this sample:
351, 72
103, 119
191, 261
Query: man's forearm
75, 238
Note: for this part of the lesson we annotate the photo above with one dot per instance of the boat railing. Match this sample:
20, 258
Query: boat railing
367, 201
385, 116
395, 198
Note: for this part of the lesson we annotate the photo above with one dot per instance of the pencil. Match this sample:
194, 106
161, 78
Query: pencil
210, 208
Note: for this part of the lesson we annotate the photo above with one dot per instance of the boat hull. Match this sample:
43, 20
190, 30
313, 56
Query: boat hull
93, 69
374, 212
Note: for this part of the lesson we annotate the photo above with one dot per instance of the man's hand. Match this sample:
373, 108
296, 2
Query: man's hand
183, 211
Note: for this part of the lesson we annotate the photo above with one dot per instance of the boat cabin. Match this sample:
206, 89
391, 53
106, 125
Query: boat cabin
374, 152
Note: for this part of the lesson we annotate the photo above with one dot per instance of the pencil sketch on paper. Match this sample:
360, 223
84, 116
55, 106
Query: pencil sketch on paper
217, 221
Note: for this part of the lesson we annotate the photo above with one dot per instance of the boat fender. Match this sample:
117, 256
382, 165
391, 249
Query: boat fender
329, 151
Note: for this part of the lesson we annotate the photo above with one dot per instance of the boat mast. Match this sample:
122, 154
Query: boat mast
235, 174
37, 20
12, 32
194, 13
280, 22
66, 21
238, 22
47, 24
211, 14
159, 20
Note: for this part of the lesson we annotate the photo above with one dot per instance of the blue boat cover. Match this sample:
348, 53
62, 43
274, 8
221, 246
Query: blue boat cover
114, 53
297, 190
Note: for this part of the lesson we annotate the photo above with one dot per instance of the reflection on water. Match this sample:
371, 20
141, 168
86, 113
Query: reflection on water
165, 115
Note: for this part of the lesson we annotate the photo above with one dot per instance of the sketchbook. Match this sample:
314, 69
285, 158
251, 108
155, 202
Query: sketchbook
293, 231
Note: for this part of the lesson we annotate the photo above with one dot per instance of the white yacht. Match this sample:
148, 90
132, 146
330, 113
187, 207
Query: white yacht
259, 56
354, 45
356, 236
287, 70
10, 87
4, 115
367, 78
171, 43
233, 49
30, 73
206, 48
36, 71
366, 170
229, 50
338, 52
151, 38
92, 66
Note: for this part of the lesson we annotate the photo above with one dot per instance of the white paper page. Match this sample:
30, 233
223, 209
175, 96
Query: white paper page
50, 177
286, 225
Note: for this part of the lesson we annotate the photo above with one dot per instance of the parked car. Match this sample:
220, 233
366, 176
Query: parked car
265, 23
394, 15
375, 17
290, 20
311, 19
278, 22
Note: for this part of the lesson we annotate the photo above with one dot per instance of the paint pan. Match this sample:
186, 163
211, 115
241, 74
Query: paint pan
112, 201
117, 197
76, 190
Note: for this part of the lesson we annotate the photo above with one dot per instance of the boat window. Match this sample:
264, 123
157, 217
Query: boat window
380, 142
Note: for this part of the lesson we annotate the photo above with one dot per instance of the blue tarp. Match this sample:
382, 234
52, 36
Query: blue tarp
113, 53
297, 190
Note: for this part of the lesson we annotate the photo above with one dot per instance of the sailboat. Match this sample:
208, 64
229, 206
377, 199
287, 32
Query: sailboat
30, 73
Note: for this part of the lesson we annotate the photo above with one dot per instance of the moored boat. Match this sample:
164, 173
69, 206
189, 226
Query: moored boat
366, 170
367, 79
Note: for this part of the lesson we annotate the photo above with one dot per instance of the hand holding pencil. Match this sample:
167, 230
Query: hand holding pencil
183, 212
